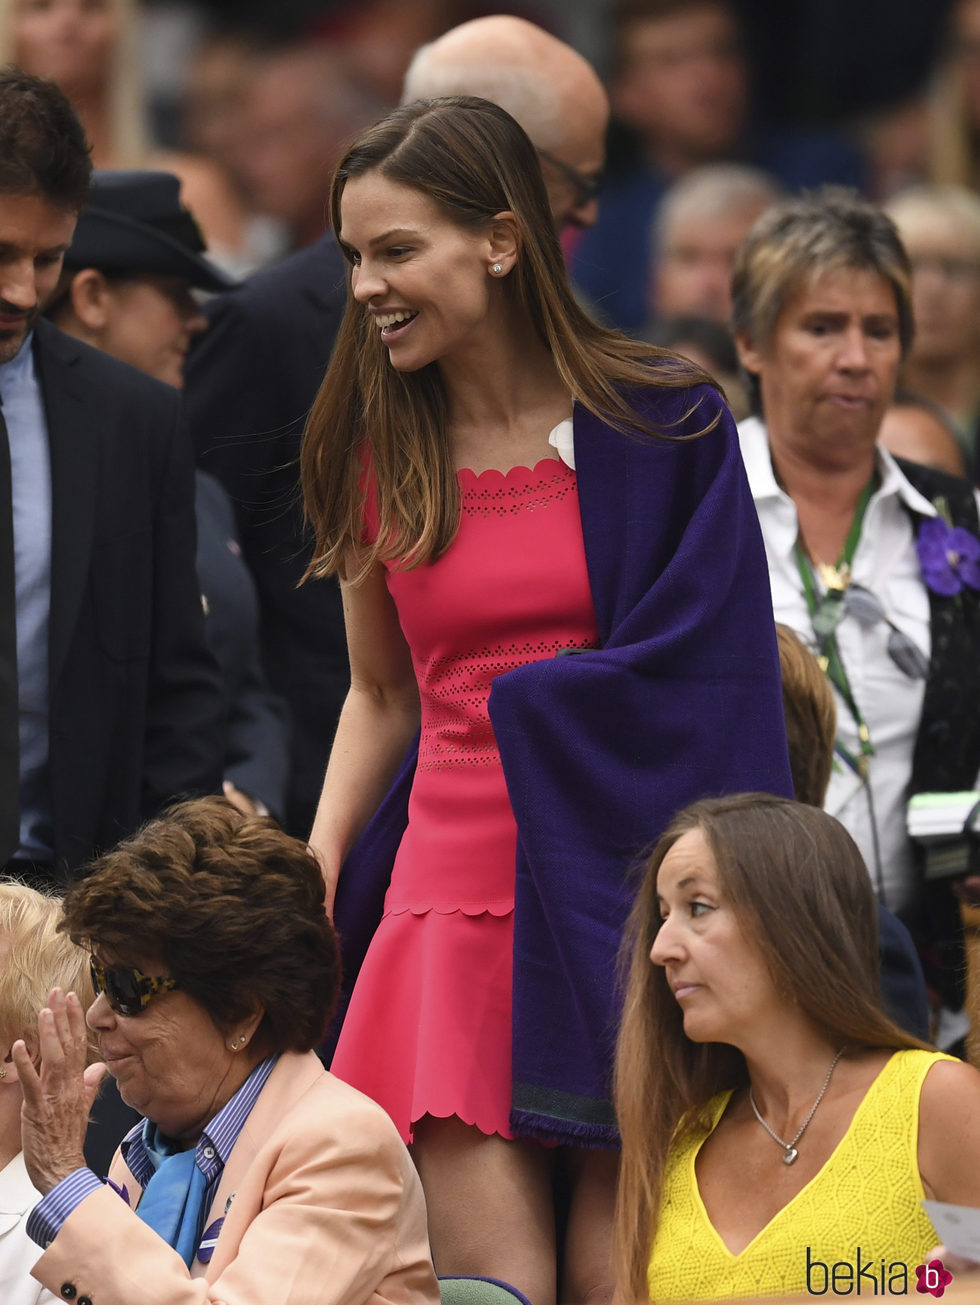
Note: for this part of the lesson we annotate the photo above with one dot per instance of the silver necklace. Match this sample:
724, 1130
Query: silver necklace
789, 1148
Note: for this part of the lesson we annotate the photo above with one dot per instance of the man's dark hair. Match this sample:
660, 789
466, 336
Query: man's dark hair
43, 150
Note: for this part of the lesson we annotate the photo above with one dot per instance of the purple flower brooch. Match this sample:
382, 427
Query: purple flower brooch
949, 557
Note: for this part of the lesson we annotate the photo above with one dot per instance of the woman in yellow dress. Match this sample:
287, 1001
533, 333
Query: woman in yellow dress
779, 1132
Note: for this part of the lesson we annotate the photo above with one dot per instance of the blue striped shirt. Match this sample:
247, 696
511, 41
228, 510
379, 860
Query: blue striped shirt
213, 1149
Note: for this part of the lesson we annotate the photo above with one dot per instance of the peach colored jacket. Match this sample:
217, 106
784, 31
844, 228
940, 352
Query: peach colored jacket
323, 1205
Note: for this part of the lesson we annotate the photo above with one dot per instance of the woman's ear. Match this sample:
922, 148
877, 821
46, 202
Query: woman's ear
504, 242
89, 294
748, 355
244, 1031
8, 1070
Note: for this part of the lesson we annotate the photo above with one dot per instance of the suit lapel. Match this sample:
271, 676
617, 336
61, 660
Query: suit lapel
293, 1074
73, 438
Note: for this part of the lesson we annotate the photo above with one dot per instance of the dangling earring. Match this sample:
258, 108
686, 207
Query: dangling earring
497, 269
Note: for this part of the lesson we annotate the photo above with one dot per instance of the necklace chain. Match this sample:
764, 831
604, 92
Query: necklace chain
789, 1148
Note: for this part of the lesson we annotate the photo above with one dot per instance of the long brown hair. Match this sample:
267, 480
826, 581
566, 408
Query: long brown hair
802, 893
474, 161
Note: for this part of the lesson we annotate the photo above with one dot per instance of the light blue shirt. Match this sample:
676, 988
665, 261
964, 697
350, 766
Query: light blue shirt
30, 477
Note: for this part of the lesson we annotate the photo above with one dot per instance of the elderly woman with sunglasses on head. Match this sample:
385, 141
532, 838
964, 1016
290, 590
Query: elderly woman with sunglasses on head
34, 956
255, 1175
874, 561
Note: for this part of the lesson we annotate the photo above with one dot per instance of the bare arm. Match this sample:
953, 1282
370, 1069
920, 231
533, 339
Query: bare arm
949, 1133
379, 718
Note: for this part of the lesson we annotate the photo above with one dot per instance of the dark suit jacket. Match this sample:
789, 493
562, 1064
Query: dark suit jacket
256, 729
134, 698
250, 382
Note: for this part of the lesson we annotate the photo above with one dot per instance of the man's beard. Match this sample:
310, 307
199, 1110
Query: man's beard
12, 338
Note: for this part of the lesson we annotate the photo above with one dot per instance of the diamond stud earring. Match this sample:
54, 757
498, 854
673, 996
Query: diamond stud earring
497, 269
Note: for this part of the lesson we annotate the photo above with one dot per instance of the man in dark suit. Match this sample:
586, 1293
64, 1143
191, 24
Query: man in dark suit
109, 700
251, 379
249, 383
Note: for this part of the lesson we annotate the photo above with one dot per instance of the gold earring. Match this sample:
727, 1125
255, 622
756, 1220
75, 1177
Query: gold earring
239, 1042
3, 1071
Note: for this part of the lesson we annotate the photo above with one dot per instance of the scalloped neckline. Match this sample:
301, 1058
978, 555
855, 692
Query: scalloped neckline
516, 472
504, 475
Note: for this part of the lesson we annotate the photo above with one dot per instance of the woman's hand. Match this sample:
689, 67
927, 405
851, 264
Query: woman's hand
57, 1100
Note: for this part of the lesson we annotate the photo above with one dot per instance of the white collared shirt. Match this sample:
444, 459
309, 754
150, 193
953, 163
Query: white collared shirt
885, 563
18, 1254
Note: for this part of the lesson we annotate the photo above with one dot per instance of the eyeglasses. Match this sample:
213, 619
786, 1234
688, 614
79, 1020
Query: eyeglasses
867, 610
586, 188
128, 991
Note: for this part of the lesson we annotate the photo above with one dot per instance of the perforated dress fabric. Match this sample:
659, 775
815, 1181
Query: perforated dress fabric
866, 1196
428, 1029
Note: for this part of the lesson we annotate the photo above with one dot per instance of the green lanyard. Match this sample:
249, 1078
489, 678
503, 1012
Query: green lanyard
824, 616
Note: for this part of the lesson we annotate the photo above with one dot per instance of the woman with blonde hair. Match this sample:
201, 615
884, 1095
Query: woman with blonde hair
777, 1126
549, 561
34, 957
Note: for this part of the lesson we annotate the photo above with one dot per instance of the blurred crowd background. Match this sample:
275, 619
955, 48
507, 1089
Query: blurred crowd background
264, 90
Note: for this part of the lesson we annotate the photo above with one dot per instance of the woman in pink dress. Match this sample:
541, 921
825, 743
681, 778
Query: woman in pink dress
439, 474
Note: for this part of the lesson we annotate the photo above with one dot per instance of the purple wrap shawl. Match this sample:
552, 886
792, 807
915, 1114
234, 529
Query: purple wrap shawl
600, 750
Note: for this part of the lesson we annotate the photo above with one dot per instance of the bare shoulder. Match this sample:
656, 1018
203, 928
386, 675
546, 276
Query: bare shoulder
949, 1132
947, 1084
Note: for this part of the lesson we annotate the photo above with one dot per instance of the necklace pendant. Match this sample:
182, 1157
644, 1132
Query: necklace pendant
835, 578
789, 1155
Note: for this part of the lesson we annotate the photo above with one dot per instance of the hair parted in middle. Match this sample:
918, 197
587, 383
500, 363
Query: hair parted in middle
802, 894
231, 906
474, 161
796, 240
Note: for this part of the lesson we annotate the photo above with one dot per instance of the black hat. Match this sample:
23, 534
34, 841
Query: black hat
134, 222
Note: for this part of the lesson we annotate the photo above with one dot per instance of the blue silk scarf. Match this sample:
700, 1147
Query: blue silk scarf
172, 1200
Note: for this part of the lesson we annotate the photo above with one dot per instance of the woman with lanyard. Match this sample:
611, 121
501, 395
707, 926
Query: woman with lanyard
873, 561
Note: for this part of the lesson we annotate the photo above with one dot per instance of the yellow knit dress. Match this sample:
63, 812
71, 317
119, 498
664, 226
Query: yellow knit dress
856, 1228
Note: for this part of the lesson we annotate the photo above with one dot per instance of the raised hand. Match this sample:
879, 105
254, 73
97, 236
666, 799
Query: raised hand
58, 1096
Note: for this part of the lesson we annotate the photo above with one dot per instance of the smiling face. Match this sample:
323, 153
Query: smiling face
426, 281
714, 969
171, 1062
34, 235
830, 367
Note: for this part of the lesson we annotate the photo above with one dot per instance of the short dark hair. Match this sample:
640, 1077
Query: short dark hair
232, 906
43, 149
627, 14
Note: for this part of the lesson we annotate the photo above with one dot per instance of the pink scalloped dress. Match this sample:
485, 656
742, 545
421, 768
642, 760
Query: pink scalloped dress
428, 1030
